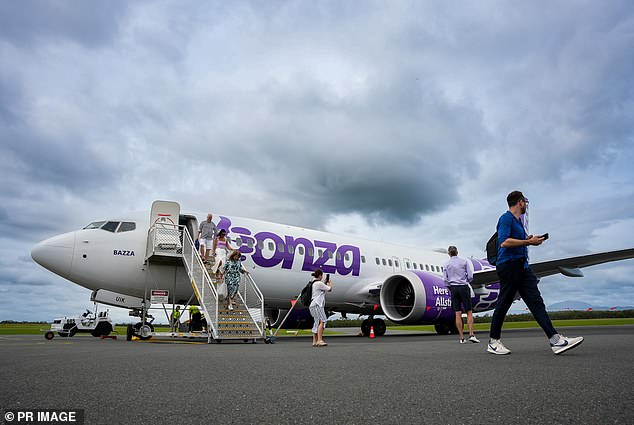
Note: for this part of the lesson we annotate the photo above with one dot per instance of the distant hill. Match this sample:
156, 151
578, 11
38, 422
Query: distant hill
582, 306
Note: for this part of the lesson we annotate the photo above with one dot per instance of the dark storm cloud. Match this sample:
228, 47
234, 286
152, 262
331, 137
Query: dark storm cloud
91, 23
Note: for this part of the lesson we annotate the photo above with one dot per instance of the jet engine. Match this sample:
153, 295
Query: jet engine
413, 297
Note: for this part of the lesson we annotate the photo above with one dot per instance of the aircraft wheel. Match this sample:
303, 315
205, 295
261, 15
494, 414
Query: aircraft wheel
365, 327
140, 329
442, 328
379, 327
49, 335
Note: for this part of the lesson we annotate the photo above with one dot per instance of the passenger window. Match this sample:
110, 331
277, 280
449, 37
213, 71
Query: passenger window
389, 262
261, 245
127, 226
407, 264
330, 254
383, 260
271, 246
239, 242
321, 253
347, 257
291, 249
311, 251
339, 256
250, 243
378, 263
426, 267
94, 225
110, 226
396, 263
362, 258
415, 268
300, 249
280, 248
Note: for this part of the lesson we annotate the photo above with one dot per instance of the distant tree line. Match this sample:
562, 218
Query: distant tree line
564, 315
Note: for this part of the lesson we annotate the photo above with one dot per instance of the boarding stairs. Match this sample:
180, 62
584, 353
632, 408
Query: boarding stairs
172, 243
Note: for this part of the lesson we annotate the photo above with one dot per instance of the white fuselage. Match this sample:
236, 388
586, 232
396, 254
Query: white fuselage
279, 257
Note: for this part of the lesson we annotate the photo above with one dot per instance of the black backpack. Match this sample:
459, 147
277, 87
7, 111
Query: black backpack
306, 295
492, 249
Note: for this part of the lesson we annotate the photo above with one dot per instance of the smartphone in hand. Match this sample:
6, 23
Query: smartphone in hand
327, 277
545, 236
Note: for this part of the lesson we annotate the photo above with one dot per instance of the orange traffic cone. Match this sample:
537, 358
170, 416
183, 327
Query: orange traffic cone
372, 332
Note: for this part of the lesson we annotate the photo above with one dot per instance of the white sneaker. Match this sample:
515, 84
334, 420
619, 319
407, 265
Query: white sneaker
462, 340
565, 344
496, 347
473, 339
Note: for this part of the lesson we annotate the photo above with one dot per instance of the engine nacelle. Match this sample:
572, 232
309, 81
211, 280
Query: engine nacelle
412, 297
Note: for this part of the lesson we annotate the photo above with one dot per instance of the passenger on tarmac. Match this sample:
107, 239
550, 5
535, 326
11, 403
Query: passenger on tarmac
458, 276
221, 247
175, 320
317, 306
232, 270
206, 235
516, 277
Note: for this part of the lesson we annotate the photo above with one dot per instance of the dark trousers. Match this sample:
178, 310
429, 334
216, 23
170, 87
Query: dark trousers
515, 278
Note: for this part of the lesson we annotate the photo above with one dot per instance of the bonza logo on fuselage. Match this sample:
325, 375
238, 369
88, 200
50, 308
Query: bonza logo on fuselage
346, 258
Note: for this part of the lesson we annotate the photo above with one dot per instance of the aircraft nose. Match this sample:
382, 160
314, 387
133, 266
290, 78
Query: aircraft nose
56, 253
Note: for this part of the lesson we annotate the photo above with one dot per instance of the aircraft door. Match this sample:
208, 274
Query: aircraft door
397, 265
191, 225
407, 264
165, 212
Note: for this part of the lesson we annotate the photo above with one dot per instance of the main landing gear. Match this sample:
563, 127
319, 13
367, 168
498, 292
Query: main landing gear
446, 328
378, 324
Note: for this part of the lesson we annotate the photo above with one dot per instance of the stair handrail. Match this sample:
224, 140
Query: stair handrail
212, 322
260, 297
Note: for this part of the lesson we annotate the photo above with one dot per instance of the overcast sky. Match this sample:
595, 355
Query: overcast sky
407, 122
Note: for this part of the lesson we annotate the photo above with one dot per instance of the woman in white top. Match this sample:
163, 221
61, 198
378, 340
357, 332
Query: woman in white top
317, 307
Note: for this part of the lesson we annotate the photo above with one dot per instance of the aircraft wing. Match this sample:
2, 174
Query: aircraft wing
567, 266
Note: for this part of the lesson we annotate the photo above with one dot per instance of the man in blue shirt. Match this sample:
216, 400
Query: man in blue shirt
516, 276
458, 275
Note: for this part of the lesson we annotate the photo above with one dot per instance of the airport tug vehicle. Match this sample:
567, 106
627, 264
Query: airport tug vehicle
97, 324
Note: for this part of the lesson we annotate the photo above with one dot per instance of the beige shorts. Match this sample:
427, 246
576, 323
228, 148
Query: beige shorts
207, 243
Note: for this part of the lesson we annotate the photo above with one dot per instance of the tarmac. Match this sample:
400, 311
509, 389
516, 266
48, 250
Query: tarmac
416, 378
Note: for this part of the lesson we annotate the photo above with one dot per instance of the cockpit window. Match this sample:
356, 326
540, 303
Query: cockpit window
95, 225
110, 226
127, 226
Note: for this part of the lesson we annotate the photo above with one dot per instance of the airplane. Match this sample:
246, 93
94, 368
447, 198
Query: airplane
112, 257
